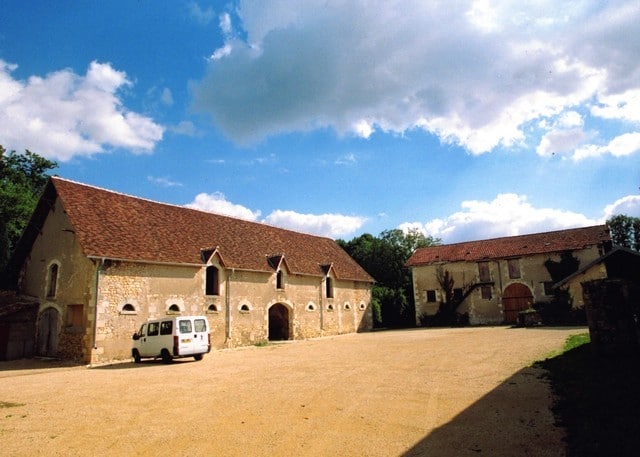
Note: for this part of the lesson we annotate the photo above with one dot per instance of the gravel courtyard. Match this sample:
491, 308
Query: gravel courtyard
435, 392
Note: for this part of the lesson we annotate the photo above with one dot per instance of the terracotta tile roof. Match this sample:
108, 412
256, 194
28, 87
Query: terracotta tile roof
512, 246
116, 226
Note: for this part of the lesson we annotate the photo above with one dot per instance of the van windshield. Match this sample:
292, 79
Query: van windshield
185, 327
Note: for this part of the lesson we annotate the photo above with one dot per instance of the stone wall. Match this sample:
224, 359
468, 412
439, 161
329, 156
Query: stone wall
533, 274
613, 315
238, 316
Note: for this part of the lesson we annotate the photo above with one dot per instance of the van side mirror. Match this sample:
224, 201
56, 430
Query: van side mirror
136, 336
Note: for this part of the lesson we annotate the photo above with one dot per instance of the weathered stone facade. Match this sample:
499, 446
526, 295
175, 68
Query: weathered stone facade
495, 279
533, 275
90, 306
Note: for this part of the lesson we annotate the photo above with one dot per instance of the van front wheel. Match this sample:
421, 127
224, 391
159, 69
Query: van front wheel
136, 356
166, 357
198, 356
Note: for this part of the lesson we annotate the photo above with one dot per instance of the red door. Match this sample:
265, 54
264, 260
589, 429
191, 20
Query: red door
517, 297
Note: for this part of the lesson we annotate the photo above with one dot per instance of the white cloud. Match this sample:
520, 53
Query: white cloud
506, 215
163, 181
217, 203
200, 15
330, 225
623, 145
479, 74
560, 142
63, 115
347, 159
624, 106
629, 206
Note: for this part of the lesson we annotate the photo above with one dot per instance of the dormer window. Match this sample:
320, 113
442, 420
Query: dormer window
212, 281
329, 287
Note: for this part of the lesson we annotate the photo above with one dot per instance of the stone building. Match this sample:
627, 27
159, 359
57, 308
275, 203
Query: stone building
495, 279
100, 263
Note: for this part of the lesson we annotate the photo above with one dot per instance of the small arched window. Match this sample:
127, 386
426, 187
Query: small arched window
128, 308
347, 307
279, 280
53, 281
330, 307
174, 308
362, 307
245, 308
212, 308
311, 307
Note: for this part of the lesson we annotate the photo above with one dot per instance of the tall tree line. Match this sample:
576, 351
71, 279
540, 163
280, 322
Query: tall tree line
22, 180
384, 257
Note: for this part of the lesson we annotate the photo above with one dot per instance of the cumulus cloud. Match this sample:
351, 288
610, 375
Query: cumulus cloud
329, 225
629, 206
506, 215
63, 114
479, 74
218, 203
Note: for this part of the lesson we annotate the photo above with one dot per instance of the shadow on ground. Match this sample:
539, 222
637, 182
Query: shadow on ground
598, 401
513, 419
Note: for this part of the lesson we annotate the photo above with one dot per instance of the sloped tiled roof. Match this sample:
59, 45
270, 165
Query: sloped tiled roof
512, 246
116, 226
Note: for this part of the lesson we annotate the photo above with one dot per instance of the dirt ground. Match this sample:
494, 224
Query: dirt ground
435, 392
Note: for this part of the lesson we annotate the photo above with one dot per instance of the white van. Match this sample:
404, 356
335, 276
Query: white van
172, 337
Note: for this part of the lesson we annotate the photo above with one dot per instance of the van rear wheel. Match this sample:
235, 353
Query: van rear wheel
166, 357
198, 356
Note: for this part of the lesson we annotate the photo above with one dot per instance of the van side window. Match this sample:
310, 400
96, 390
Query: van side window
200, 325
153, 329
185, 326
166, 327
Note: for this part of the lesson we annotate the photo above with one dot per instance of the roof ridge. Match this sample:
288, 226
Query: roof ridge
511, 237
174, 205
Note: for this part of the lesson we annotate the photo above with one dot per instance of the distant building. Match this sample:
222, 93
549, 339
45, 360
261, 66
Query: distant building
497, 278
99, 263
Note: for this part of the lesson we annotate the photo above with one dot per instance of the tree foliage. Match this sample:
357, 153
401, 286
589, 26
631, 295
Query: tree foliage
22, 180
625, 231
559, 310
384, 257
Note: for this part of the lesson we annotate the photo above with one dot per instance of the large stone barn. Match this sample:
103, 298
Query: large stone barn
100, 263
495, 279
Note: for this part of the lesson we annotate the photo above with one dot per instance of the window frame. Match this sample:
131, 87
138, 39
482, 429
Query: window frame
484, 272
513, 267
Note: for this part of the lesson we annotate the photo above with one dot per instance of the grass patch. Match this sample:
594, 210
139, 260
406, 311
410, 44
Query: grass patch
8, 404
597, 399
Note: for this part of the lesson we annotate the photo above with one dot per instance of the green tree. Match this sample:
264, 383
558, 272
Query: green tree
22, 180
625, 231
384, 257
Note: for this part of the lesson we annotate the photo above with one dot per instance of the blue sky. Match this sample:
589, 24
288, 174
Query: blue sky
465, 120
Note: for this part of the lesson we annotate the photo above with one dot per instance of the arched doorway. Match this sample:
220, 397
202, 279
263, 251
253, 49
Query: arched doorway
517, 297
278, 322
48, 333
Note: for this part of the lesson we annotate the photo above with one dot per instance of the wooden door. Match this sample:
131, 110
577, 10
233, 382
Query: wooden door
48, 333
517, 297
